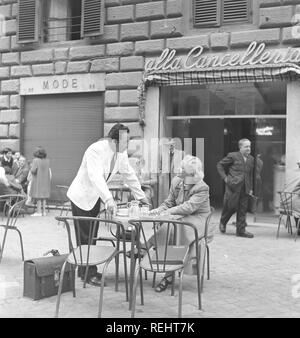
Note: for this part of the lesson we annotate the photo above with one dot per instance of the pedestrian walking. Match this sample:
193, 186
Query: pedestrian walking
236, 169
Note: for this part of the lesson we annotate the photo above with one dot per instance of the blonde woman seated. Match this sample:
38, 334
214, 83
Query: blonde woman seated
189, 197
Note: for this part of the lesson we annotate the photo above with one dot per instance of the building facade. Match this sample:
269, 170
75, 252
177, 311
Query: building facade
71, 69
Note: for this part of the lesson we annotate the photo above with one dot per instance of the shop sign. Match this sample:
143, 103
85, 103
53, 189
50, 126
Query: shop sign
62, 84
256, 54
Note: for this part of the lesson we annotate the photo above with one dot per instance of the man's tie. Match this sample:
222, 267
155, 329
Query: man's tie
112, 165
170, 167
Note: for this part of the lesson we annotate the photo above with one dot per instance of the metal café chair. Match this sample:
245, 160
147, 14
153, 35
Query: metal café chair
64, 202
85, 253
164, 258
12, 207
207, 239
286, 209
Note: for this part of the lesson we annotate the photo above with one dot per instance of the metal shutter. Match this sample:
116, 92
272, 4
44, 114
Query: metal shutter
65, 125
235, 10
207, 12
27, 30
92, 17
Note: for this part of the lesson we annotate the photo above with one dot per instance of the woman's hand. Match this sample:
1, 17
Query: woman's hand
154, 212
165, 213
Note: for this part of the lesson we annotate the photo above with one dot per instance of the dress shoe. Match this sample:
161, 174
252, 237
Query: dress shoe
222, 228
96, 280
245, 234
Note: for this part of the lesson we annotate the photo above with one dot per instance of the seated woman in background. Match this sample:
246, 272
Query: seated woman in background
20, 171
7, 184
189, 197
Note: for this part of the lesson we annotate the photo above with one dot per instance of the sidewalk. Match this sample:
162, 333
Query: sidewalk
249, 278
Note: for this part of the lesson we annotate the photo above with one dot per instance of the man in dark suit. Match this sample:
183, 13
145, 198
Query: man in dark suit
236, 170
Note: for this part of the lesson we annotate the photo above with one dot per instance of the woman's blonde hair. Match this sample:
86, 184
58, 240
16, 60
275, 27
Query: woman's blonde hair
196, 164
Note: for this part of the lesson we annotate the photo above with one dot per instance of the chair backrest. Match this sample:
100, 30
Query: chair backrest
12, 206
286, 202
63, 192
76, 238
163, 251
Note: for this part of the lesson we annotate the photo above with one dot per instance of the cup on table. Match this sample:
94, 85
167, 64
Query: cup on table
123, 212
145, 210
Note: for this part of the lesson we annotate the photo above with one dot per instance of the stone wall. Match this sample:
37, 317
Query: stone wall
134, 29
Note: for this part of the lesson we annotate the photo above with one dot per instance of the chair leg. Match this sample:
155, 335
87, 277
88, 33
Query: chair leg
146, 275
125, 273
73, 272
85, 276
61, 212
279, 222
289, 225
180, 295
21, 242
102, 289
297, 229
133, 300
117, 273
154, 279
141, 287
198, 262
3, 244
208, 262
61, 279
202, 269
173, 284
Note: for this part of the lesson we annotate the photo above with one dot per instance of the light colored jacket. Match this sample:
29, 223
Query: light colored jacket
191, 201
92, 178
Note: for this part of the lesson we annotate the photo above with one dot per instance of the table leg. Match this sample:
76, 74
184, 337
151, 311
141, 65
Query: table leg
132, 267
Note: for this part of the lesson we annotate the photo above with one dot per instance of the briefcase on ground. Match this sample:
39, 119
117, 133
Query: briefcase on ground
41, 277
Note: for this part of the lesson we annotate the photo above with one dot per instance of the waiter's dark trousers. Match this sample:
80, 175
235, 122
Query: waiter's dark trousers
84, 230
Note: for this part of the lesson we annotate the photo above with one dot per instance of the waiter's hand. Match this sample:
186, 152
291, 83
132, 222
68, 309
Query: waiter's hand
111, 206
145, 201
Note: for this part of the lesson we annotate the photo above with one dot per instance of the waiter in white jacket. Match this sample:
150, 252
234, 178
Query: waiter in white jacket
101, 161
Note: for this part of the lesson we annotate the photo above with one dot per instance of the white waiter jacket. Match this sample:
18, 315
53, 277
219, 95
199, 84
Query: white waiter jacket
91, 180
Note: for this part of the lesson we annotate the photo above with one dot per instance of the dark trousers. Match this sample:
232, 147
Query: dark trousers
84, 231
235, 202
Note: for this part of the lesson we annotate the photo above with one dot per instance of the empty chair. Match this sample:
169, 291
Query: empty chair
159, 253
64, 203
286, 209
207, 240
12, 206
86, 255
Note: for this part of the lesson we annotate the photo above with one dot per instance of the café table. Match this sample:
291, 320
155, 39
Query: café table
125, 221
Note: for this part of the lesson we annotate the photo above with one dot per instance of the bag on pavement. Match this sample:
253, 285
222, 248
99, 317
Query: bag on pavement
41, 276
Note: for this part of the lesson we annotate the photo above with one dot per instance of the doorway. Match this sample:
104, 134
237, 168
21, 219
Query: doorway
218, 116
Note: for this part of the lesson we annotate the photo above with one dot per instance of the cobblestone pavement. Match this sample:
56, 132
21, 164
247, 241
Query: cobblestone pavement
257, 277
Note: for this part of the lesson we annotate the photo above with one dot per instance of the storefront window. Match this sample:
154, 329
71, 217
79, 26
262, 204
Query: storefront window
216, 117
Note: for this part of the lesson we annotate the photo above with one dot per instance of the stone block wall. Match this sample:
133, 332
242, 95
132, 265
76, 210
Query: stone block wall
134, 30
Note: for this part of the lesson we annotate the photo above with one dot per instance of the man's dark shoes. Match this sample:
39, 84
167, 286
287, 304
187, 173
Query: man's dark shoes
96, 280
222, 228
245, 234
